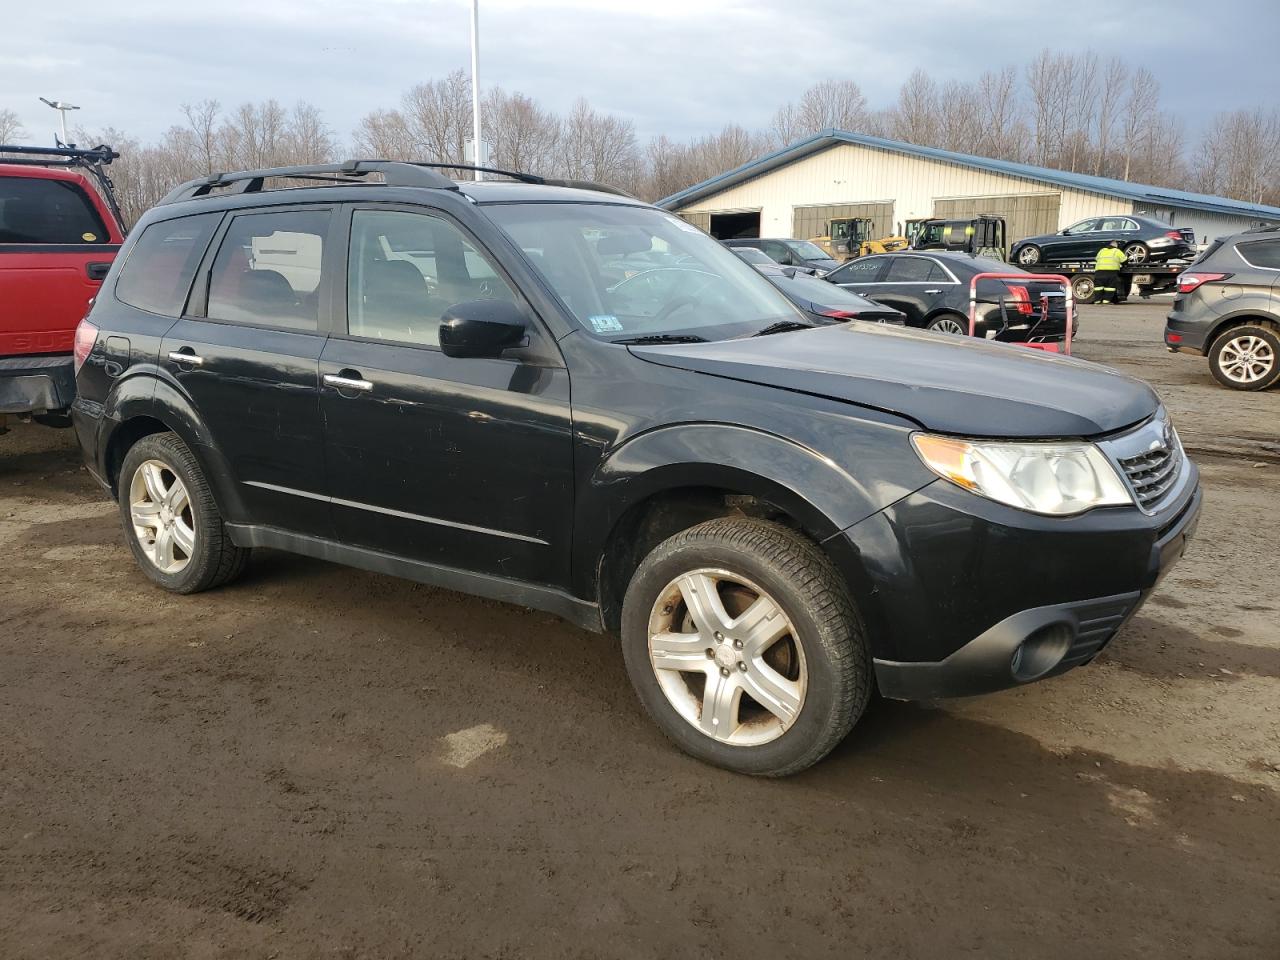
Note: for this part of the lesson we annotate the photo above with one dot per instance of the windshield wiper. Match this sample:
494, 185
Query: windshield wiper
663, 338
783, 326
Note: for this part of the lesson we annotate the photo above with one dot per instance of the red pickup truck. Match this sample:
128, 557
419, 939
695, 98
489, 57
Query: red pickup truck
59, 232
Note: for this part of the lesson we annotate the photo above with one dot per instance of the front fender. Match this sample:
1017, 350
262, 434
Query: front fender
823, 495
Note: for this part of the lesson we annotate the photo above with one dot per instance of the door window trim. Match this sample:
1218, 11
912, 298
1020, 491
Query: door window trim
540, 349
910, 283
197, 306
1255, 266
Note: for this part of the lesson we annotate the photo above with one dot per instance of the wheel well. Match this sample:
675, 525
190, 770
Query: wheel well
124, 437
1244, 321
649, 522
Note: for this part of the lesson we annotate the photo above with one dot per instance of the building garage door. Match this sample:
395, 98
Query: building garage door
1025, 214
700, 220
812, 221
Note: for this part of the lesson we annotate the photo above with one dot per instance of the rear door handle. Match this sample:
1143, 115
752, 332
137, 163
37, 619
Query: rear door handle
348, 380
186, 355
97, 271
933, 291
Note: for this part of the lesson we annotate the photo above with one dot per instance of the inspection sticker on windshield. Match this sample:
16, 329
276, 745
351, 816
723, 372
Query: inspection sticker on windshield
605, 323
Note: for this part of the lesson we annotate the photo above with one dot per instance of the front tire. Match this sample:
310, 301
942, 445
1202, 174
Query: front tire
170, 519
1083, 288
1247, 358
1029, 255
742, 644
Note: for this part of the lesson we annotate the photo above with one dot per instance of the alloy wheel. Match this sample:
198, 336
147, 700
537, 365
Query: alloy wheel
1136, 252
727, 657
1246, 359
162, 518
948, 325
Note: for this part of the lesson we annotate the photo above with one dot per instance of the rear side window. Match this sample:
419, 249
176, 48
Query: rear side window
158, 273
913, 270
1261, 253
267, 271
857, 271
37, 210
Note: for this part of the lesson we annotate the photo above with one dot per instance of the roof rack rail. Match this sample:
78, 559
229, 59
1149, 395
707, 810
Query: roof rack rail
92, 160
396, 174
529, 177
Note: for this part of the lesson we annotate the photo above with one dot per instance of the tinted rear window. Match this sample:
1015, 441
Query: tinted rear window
36, 210
158, 273
1261, 253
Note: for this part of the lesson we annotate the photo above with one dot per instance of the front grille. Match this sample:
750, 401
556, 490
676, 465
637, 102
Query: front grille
1152, 474
1151, 460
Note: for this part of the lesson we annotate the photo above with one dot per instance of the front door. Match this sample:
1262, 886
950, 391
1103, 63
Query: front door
246, 353
464, 463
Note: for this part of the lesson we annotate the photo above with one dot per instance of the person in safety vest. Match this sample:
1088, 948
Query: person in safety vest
1106, 273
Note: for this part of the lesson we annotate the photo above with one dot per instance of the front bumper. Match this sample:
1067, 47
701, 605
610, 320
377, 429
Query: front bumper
37, 384
964, 596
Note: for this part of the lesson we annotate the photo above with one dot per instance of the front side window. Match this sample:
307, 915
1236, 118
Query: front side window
1084, 226
267, 272
857, 271
630, 271
162, 263
406, 269
806, 250
41, 210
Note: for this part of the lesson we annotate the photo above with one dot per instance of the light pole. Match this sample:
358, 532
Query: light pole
62, 107
475, 86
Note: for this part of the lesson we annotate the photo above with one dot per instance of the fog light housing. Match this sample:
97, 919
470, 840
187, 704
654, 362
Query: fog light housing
1041, 652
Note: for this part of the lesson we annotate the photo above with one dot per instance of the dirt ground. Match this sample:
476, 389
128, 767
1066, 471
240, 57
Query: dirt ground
320, 762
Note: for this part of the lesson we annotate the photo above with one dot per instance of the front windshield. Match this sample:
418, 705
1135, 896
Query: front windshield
626, 272
807, 250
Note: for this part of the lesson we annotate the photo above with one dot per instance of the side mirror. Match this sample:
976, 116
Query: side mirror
481, 328
1064, 233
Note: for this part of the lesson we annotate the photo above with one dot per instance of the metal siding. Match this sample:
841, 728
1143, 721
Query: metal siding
811, 221
1026, 215
831, 176
700, 220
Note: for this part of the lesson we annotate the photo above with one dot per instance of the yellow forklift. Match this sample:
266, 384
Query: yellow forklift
849, 237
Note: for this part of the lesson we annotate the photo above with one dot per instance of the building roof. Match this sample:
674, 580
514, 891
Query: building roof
825, 139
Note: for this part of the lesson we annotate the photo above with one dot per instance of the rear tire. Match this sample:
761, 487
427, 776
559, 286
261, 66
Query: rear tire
1083, 288
1029, 255
1247, 357
1137, 253
170, 519
696, 593
951, 323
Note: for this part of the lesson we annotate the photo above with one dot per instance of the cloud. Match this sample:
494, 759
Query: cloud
681, 67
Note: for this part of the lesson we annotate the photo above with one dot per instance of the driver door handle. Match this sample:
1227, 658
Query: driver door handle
353, 382
186, 355
933, 291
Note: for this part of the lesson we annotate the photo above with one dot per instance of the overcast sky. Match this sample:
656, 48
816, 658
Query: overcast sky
681, 67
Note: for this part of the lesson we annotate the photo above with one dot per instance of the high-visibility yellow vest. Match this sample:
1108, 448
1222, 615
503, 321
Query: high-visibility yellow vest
1109, 258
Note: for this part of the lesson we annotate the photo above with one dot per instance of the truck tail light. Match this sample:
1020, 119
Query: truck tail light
1189, 281
1022, 299
86, 337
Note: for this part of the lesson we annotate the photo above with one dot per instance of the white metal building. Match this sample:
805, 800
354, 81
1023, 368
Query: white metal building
794, 191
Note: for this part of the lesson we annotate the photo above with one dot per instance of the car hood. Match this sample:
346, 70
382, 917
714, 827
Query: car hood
945, 383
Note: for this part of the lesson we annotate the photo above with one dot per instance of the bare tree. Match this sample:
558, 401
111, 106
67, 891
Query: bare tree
1239, 156
202, 121
524, 136
916, 117
11, 129
831, 104
1141, 101
600, 147
1114, 77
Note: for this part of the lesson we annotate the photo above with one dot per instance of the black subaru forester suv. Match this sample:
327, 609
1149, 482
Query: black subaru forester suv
567, 399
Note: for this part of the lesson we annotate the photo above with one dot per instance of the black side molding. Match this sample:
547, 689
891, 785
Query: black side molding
579, 612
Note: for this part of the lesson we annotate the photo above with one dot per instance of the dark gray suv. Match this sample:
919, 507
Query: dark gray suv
1228, 309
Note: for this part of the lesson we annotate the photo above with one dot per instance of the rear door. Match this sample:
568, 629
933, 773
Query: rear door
55, 249
247, 350
460, 462
915, 285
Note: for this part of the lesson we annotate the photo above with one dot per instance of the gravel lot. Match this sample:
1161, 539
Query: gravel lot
320, 762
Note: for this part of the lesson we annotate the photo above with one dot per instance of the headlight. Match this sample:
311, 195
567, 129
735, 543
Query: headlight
1057, 479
